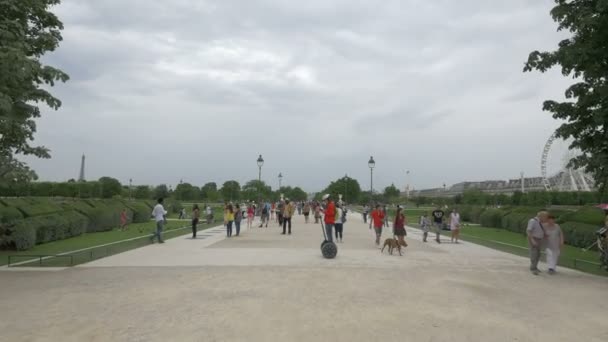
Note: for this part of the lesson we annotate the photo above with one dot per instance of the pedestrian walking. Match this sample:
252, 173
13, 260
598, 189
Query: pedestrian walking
265, 214
455, 225
536, 236
280, 211
123, 220
385, 211
399, 226
238, 217
339, 222
195, 218
228, 219
299, 206
288, 212
365, 213
425, 225
273, 209
209, 213
330, 216
306, 210
555, 243
438, 223
317, 212
250, 215
159, 213
378, 222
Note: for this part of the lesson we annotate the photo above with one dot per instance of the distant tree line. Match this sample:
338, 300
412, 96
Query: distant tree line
107, 187
534, 198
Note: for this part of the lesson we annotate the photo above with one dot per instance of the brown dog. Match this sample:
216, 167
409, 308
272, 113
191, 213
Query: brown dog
392, 244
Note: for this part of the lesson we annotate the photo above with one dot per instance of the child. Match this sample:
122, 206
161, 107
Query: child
555, 241
425, 225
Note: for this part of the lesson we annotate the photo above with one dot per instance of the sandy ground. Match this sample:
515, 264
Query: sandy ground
263, 286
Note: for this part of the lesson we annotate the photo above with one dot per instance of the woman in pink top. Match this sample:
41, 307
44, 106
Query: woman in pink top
123, 219
250, 214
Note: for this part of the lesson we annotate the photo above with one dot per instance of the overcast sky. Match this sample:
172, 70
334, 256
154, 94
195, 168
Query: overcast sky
195, 90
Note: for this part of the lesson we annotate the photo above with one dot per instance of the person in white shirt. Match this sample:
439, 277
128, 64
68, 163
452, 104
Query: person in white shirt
455, 225
339, 225
159, 213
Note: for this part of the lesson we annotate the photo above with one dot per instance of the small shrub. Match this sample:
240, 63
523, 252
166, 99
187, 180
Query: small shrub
492, 218
9, 214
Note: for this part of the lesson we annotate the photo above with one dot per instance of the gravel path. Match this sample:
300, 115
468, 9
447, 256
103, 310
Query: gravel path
263, 286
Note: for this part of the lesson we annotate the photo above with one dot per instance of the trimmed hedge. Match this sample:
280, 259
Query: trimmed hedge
579, 234
27, 233
9, 214
140, 211
588, 215
492, 218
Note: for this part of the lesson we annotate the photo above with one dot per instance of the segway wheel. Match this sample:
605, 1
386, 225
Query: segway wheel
323, 243
329, 250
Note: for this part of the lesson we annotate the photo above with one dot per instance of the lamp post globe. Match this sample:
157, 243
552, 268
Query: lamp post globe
372, 164
260, 164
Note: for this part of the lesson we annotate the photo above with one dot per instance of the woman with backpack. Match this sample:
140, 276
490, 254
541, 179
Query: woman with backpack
238, 217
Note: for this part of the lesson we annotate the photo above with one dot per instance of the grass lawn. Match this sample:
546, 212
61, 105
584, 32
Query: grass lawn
571, 257
89, 240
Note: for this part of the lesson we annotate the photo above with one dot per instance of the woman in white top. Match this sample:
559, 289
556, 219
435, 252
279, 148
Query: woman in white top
455, 225
555, 241
339, 225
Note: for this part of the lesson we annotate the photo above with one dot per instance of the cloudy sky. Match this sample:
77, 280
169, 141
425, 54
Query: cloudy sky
195, 90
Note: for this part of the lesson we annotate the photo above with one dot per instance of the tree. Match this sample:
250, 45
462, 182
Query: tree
348, 187
256, 190
142, 192
27, 31
297, 194
161, 191
109, 187
584, 56
186, 191
391, 192
209, 192
231, 190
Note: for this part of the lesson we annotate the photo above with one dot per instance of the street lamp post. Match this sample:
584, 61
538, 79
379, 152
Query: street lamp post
345, 185
407, 187
130, 188
280, 179
260, 164
371, 163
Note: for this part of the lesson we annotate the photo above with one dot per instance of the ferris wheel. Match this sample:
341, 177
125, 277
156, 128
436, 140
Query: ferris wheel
556, 174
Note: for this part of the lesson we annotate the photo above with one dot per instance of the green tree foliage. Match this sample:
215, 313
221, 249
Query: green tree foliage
348, 187
255, 190
186, 192
391, 192
142, 192
231, 191
209, 192
28, 30
161, 191
294, 194
583, 56
109, 187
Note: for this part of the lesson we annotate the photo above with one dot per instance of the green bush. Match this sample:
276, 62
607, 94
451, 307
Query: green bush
31, 207
588, 215
579, 234
140, 211
9, 214
476, 213
492, 218
515, 222
22, 236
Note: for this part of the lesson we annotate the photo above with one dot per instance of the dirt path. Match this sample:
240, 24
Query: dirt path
263, 286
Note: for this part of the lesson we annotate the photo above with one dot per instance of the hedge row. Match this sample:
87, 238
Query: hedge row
25, 222
579, 227
26, 233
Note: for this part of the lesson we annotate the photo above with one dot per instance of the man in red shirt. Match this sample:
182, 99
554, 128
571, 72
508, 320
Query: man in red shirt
330, 216
378, 222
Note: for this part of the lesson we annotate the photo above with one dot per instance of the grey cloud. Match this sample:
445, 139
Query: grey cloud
315, 86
